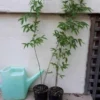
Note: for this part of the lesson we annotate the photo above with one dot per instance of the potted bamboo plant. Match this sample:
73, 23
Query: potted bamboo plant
40, 90
66, 42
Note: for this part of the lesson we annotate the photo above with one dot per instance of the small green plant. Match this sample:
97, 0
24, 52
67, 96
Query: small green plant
36, 40
66, 42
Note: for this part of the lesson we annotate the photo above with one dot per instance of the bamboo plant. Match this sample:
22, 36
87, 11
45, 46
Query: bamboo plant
36, 40
32, 27
65, 35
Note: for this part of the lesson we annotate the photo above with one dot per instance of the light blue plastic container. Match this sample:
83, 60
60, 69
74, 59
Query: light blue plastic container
15, 83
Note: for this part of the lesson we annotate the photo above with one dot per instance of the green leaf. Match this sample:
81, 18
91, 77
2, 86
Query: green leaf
26, 28
81, 1
61, 76
24, 45
53, 49
80, 42
21, 20
43, 37
55, 65
50, 72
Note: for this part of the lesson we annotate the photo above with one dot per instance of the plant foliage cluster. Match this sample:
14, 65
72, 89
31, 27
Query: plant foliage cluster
35, 7
66, 42
27, 26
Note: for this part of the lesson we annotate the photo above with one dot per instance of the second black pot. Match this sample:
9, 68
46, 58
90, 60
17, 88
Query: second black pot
40, 92
56, 93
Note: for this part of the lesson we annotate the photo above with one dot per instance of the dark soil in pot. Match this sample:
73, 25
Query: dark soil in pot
56, 93
40, 92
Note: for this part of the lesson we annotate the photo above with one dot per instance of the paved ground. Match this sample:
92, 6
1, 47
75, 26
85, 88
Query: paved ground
66, 97
77, 97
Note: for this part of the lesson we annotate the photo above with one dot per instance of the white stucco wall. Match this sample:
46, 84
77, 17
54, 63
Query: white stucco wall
12, 52
50, 6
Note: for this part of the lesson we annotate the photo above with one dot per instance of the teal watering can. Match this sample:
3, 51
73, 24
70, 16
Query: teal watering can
15, 83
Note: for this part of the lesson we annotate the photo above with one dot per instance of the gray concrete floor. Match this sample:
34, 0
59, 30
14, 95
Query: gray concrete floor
77, 97
66, 97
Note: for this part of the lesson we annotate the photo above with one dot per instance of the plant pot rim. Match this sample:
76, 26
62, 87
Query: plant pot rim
46, 90
56, 87
52, 92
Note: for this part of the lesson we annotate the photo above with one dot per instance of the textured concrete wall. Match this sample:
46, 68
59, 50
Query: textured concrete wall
50, 6
12, 52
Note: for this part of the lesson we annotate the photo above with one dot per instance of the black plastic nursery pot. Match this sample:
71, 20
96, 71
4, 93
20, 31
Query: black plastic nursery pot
56, 93
40, 92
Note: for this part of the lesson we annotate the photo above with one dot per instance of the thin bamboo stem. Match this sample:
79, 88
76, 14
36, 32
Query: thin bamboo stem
48, 67
38, 64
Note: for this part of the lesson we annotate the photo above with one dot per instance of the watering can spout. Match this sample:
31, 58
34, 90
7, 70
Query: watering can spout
33, 78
